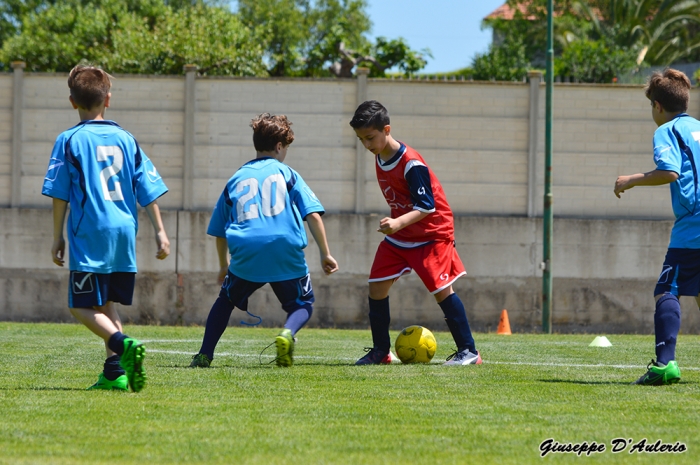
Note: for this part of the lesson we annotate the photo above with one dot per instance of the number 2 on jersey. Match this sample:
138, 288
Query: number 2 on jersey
273, 187
104, 152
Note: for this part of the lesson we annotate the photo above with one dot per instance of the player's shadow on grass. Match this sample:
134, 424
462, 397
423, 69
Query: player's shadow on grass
588, 383
43, 388
593, 383
257, 366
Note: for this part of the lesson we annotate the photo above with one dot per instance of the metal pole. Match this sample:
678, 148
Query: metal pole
548, 216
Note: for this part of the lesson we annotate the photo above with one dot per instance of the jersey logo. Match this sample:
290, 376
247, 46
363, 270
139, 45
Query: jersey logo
696, 136
421, 191
82, 282
310, 192
389, 194
54, 167
151, 171
305, 284
444, 277
663, 277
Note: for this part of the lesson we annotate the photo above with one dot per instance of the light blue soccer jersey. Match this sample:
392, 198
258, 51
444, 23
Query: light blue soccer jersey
100, 170
260, 214
677, 149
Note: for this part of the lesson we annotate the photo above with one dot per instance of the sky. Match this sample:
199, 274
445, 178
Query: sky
451, 29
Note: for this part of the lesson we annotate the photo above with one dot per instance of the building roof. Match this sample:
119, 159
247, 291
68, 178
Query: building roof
506, 12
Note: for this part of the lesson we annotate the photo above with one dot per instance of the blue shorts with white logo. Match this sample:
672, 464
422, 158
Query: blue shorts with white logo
680, 274
292, 293
87, 290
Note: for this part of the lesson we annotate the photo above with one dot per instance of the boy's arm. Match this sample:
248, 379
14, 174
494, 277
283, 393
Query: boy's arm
652, 178
161, 237
328, 263
222, 252
58, 248
391, 225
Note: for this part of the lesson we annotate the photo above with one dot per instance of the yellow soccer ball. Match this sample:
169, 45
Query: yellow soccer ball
415, 344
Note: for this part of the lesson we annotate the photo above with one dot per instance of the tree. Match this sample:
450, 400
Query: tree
135, 36
324, 38
596, 40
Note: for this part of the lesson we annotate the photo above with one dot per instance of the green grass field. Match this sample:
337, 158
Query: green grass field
324, 410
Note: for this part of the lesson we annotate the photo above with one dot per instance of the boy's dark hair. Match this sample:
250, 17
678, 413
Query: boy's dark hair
670, 88
269, 129
88, 86
370, 114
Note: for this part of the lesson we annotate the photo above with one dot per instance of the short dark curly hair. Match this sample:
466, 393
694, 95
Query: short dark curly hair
269, 129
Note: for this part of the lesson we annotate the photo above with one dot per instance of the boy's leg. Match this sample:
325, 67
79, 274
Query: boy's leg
379, 314
456, 319
667, 324
217, 321
297, 299
379, 320
234, 293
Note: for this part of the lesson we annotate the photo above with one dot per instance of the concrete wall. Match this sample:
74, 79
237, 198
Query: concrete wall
478, 137
485, 141
604, 273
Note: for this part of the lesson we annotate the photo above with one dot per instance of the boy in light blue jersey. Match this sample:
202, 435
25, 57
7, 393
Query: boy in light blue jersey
99, 169
258, 219
676, 154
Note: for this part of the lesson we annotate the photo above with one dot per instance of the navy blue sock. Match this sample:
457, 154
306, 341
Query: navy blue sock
116, 342
216, 325
379, 320
112, 368
667, 323
456, 319
297, 319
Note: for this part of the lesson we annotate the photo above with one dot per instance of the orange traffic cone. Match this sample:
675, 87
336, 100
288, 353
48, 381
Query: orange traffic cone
503, 323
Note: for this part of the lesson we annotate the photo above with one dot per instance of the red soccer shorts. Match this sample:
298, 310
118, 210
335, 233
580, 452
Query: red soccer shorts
437, 264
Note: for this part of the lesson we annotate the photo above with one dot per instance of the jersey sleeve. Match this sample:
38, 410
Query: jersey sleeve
220, 216
57, 179
667, 153
418, 178
302, 196
148, 184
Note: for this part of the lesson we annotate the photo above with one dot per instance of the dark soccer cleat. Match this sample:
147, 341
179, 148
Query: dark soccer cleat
464, 358
132, 362
375, 357
200, 361
119, 384
658, 374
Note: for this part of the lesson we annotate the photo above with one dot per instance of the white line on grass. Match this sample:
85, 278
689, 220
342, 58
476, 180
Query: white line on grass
538, 364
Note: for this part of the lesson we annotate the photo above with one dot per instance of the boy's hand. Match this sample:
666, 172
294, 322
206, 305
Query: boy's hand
163, 245
389, 225
329, 264
222, 274
622, 184
58, 250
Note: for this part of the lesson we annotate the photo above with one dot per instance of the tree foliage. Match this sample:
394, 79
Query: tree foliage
596, 40
318, 38
264, 38
135, 36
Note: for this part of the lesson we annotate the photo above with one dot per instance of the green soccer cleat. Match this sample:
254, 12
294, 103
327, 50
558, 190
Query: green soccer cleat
658, 374
285, 348
132, 362
200, 361
119, 384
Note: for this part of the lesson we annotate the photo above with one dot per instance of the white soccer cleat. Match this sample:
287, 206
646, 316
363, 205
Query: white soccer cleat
393, 358
464, 358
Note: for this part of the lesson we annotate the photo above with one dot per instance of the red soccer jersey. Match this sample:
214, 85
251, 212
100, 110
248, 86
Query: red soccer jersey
392, 178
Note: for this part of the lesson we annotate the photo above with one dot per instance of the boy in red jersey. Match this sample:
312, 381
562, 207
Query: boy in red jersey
419, 237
